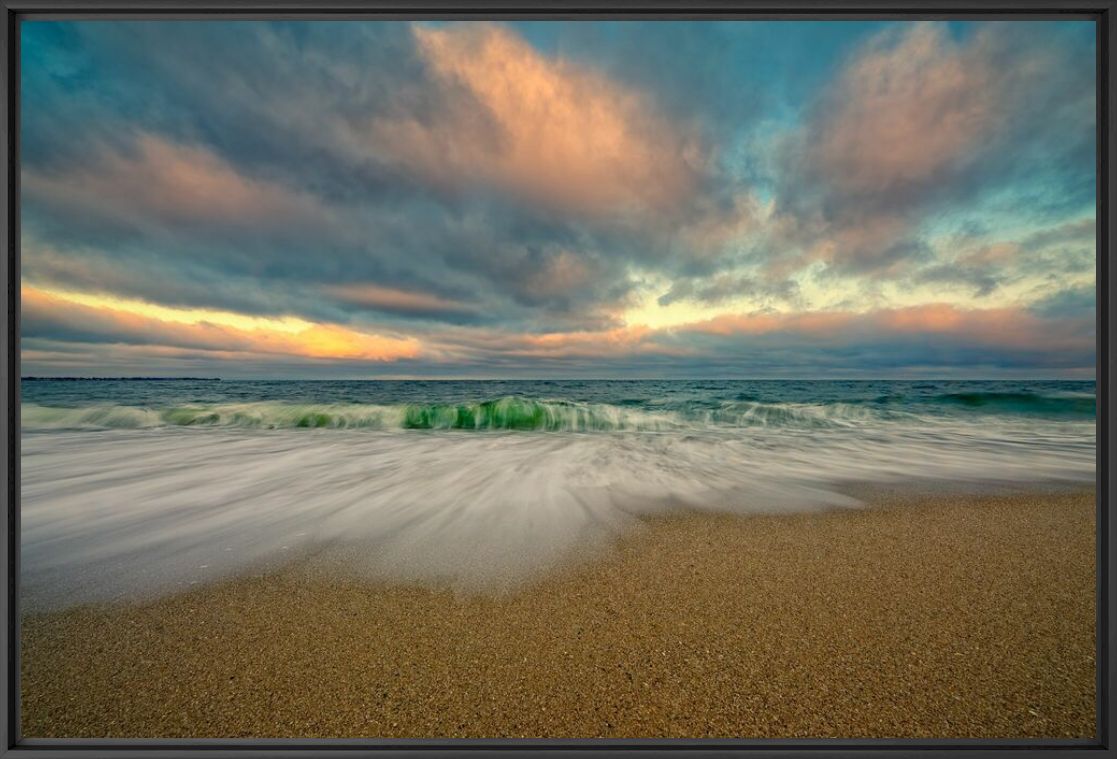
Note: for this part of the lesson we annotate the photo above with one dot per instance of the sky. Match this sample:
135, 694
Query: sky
316, 199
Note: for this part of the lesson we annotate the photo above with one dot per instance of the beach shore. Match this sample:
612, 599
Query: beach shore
921, 616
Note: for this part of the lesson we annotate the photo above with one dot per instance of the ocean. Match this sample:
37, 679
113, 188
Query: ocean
132, 488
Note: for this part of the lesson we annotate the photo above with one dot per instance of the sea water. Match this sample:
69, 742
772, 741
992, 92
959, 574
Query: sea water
132, 488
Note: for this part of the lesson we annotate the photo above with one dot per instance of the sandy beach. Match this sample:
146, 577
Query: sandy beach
918, 617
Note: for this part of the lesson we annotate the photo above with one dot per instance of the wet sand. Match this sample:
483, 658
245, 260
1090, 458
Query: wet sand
919, 617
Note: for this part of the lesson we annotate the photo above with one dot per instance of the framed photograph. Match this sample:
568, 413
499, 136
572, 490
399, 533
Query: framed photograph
643, 378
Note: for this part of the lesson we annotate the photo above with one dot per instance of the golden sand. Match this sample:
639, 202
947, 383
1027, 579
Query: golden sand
939, 617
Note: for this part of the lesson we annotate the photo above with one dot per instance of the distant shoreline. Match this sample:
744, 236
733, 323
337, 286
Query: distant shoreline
560, 379
119, 379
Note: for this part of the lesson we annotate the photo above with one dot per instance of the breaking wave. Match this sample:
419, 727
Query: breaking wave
527, 414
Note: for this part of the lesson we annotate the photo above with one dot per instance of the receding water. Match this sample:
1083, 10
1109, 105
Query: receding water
138, 487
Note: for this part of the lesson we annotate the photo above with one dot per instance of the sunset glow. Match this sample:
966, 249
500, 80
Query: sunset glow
518, 199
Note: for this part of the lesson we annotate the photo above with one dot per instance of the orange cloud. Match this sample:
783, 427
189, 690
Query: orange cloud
907, 119
905, 108
1001, 327
551, 130
763, 323
466, 344
172, 181
54, 315
586, 343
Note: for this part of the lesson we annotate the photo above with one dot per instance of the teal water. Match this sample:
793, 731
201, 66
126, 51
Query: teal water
581, 406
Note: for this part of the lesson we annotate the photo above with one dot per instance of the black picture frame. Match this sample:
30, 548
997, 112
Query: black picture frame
1102, 12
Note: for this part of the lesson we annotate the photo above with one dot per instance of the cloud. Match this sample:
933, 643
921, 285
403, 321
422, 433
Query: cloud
386, 299
250, 231
1054, 336
908, 108
917, 122
1013, 328
1075, 303
726, 287
1077, 232
554, 131
175, 183
70, 317
1045, 256
174, 278
508, 195
620, 341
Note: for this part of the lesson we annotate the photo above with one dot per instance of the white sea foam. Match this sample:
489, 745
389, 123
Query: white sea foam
128, 513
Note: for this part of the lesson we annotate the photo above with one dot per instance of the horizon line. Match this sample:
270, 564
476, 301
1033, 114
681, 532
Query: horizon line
153, 378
